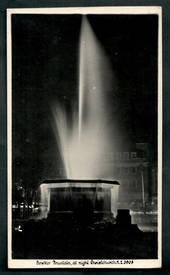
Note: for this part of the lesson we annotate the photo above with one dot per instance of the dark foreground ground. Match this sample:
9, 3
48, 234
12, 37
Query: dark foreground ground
68, 239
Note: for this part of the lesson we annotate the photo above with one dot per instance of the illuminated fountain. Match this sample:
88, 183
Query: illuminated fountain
87, 138
78, 210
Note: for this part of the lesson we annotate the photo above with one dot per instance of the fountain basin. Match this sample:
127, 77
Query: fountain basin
83, 198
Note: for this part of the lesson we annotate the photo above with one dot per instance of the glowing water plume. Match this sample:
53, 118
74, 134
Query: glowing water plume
85, 142
94, 69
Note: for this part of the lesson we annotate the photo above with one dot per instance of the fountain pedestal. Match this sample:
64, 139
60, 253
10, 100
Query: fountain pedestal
82, 198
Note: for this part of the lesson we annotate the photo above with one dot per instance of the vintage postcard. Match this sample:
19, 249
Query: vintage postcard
84, 137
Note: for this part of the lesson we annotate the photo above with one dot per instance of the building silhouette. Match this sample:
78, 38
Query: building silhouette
137, 174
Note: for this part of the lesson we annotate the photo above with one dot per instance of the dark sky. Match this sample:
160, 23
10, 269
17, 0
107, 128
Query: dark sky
45, 70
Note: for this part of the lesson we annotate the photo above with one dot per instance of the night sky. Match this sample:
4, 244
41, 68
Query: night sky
45, 70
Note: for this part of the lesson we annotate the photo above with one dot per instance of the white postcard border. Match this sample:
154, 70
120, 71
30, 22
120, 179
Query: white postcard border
77, 263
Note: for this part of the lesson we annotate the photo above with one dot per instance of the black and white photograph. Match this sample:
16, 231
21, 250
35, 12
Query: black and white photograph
84, 137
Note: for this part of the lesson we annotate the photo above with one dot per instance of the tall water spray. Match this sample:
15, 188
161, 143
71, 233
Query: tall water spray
86, 142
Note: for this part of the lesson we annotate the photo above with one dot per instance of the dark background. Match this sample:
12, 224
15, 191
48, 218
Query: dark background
45, 70
166, 100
